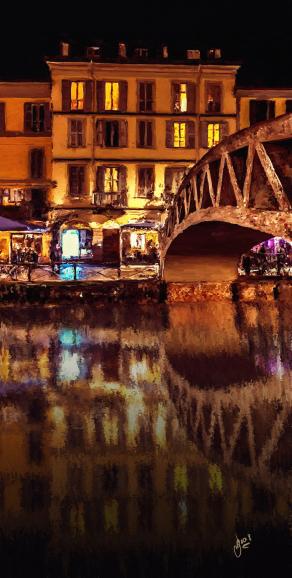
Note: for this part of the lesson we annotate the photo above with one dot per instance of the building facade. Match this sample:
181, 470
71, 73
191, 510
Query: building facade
25, 160
259, 104
125, 131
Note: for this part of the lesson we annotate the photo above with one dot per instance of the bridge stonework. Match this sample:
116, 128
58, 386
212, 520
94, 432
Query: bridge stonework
245, 180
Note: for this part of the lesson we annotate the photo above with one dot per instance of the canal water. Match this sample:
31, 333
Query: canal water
146, 441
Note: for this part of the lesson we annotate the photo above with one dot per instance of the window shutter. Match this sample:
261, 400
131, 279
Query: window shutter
2, 117
88, 96
27, 117
81, 179
217, 97
66, 95
123, 86
150, 134
140, 132
122, 179
99, 136
168, 176
204, 134
123, 133
271, 109
224, 129
36, 163
191, 96
100, 96
169, 134
252, 111
100, 171
191, 134
175, 96
47, 118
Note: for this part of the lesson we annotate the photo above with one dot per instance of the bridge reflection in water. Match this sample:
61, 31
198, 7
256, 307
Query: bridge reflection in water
141, 443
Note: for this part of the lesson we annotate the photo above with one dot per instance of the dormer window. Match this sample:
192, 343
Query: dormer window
141, 52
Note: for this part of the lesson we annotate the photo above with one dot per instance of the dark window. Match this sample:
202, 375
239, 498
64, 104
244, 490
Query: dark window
111, 133
213, 97
37, 163
36, 117
76, 133
260, 110
76, 180
146, 90
2, 117
288, 105
145, 182
145, 133
173, 178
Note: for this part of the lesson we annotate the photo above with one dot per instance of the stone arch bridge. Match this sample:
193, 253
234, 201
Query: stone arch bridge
245, 180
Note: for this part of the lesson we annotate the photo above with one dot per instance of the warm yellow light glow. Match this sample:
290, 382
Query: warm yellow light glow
110, 428
111, 180
111, 96
77, 95
213, 134
180, 478
111, 513
137, 241
179, 134
183, 98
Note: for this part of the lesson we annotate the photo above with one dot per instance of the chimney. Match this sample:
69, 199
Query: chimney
64, 48
122, 50
164, 51
193, 54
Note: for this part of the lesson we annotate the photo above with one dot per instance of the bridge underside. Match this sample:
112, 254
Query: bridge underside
209, 251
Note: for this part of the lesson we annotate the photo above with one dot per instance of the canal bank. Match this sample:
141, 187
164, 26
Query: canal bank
147, 291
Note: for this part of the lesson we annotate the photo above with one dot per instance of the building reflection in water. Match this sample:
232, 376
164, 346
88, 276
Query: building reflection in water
133, 432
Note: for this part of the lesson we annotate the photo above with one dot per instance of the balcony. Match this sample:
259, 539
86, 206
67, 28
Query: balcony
110, 199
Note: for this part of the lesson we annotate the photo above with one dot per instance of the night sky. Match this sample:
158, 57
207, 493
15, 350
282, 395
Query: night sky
253, 32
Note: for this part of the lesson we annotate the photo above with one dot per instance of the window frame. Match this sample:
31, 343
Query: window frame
146, 81
138, 169
179, 82
213, 83
146, 121
83, 195
43, 166
69, 132
77, 81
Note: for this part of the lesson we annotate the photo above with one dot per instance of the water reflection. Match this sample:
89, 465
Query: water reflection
129, 436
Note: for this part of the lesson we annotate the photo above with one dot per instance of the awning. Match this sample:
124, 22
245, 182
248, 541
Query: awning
12, 225
142, 224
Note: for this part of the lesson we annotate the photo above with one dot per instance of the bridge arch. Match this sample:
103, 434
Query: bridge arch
246, 180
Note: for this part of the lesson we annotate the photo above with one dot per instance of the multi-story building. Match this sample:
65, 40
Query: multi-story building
258, 104
25, 158
125, 130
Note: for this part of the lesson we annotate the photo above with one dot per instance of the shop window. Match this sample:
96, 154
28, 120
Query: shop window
260, 110
145, 93
145, 182
76, 133
213, 97
76, 180
77, 95
111, 133
180, 134
25, 247
37, 163
144, 133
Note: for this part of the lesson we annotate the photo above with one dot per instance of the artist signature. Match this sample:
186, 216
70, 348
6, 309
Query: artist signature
241, 544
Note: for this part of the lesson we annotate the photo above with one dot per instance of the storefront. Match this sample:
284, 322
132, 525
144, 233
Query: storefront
76, 241
26, 247
140, 243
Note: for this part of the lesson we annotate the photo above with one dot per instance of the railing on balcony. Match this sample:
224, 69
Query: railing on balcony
118, 199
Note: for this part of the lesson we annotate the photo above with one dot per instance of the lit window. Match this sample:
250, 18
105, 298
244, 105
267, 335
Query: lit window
111, 96
77, 95
111, 180
179, 134
137, 241
180, 97
213, 134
